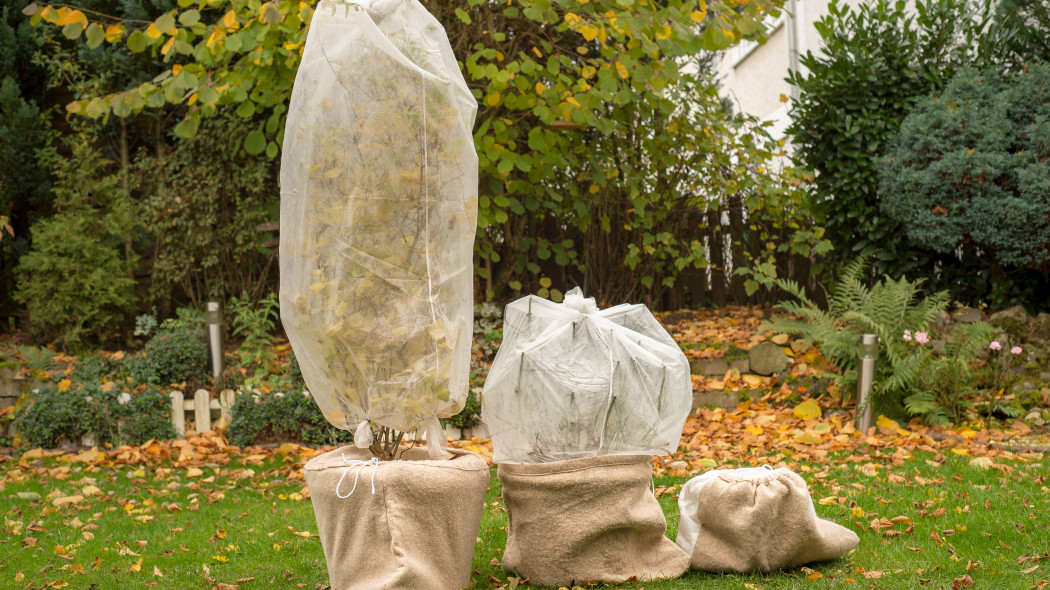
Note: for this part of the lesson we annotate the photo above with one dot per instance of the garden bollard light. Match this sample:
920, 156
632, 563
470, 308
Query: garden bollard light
214, 317
869, 352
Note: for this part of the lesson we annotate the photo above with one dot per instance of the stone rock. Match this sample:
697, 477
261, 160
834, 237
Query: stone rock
767, 358
718, 399
1040, 330
678, 465
710, 367
835, 413
741, 365
1012, 321
969, 315
819, 388
939, 346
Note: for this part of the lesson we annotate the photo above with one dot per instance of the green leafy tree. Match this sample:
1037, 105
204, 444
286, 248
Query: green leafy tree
201, 203
1025, 28
75, 280
880, 59
968, 172
597, 147
25, 140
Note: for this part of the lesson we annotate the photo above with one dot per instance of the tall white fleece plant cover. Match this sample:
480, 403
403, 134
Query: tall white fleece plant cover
379, 185
573, 381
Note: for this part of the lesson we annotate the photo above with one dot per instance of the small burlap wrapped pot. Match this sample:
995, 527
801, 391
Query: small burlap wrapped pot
416, 531
755, 520
593, 519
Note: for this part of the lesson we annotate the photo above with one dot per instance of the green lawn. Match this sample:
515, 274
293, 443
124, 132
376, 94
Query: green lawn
164, 526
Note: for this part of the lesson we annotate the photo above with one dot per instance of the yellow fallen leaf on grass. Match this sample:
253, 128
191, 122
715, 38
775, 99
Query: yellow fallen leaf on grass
808, 438
982, 463
753, 380
884, 422
807, 410
67, 500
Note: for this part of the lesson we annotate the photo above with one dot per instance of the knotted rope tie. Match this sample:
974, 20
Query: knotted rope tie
374, 462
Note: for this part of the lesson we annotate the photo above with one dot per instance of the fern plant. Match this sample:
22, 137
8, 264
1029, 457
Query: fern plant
40, 359
886, 309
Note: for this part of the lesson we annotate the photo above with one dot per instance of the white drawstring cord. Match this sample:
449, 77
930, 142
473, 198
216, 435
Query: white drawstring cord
374, 462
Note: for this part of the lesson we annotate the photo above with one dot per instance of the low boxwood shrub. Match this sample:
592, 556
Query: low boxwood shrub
172, 356
147, 416
55, 418
281, 417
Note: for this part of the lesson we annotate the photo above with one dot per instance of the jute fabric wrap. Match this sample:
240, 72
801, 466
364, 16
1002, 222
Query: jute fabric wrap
416, 532
757, 520
593, 519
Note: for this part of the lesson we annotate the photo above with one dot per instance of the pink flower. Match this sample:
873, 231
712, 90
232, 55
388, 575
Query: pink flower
1015, 350
907, 335
995, 345
922, 337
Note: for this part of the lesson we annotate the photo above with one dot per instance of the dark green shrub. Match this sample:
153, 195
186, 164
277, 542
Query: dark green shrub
147, 416
879, 59
295, 373
91, 369
1025, 27
55, 418
291, 417
969, 169
76, 279
206, 198
172, 356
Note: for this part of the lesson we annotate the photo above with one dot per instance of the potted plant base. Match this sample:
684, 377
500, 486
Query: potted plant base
410, 523
593, 519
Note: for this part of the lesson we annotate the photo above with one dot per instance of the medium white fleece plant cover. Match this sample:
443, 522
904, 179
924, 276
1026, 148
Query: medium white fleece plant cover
379, 182
571, 381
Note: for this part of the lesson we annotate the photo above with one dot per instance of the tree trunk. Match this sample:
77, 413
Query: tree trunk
716, 246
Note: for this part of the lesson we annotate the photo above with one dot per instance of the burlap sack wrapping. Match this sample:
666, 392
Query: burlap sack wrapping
416, 532
593, 519
755, 520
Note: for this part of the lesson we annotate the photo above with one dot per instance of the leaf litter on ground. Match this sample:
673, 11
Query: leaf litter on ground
935, 507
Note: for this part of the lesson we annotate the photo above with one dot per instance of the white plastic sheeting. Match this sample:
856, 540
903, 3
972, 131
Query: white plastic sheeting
378, 213
571, 381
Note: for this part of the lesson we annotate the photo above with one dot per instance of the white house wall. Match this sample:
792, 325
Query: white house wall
754, 76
